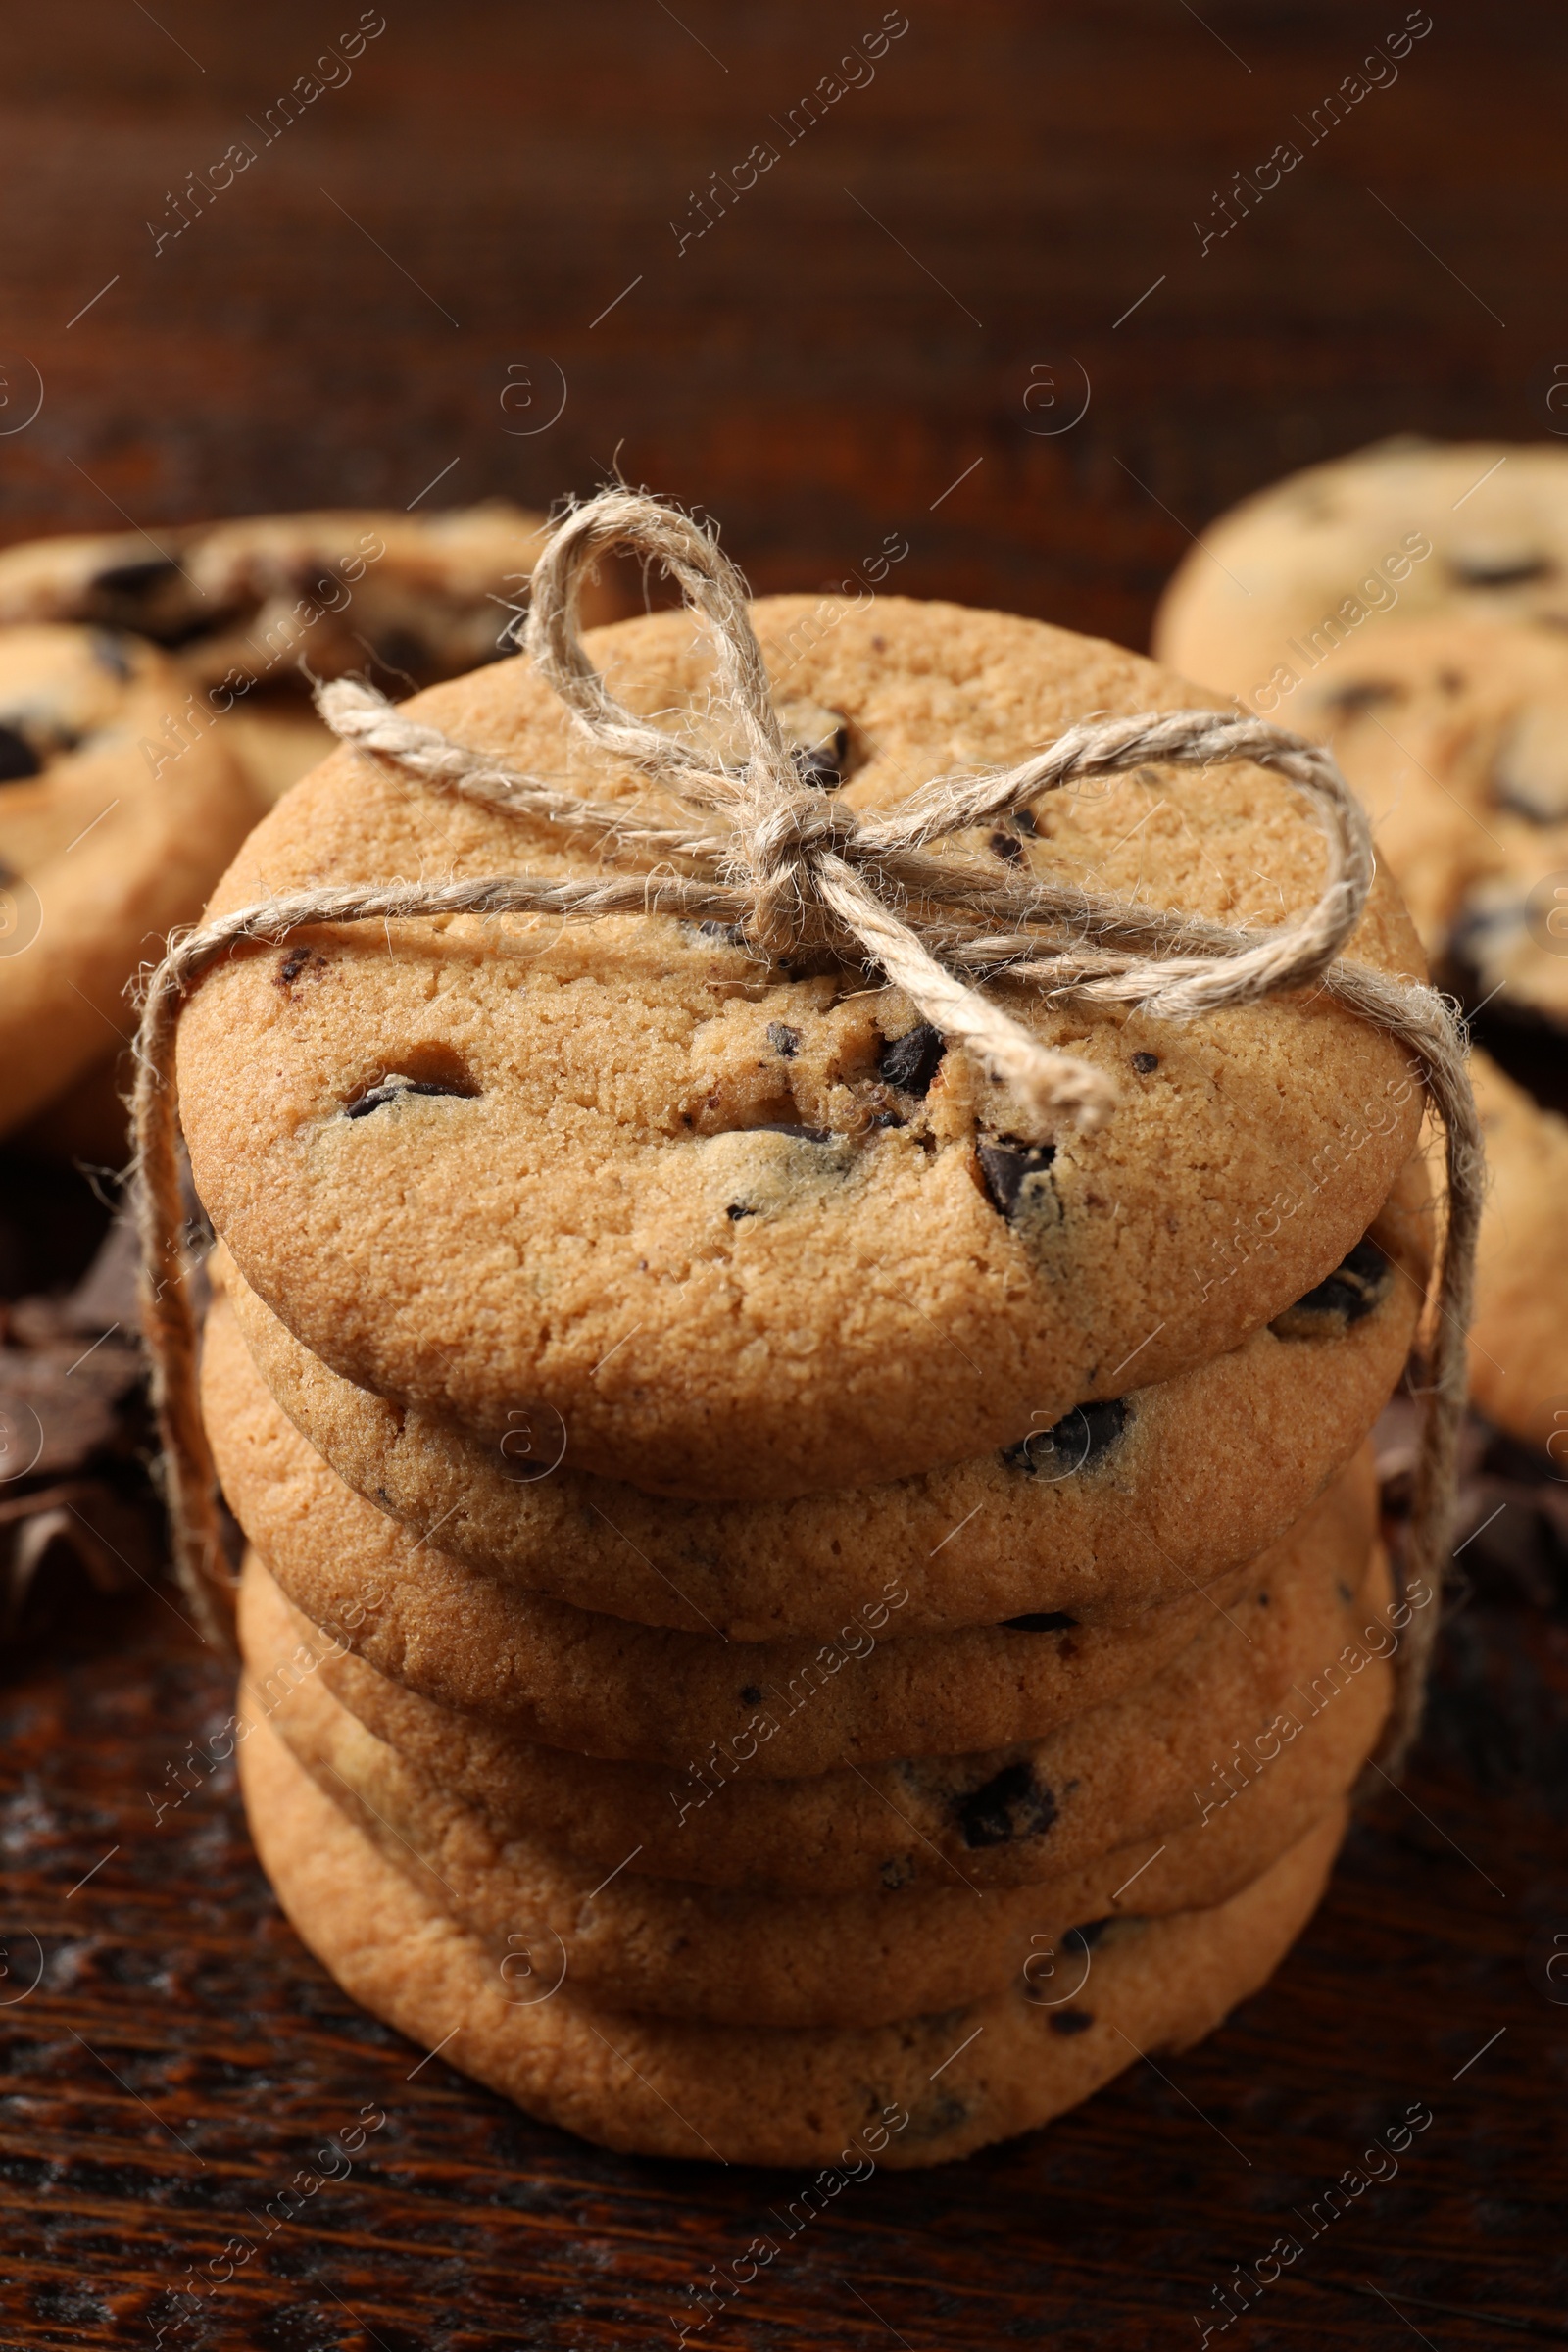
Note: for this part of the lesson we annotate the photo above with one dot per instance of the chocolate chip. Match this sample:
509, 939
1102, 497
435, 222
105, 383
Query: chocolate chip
393, 1089
1348, 702
890, 1118
18, 759
730, 934
783, 1039
1006, 1163
751, 1696
1039, 1621
1011, 1805
1475, 572
298, 961
1079, 1440
910, 1061
1007, 846
132, 579
820, 765
738, 1210
1024, 820
1146, 1063
1357, 1285
1071, 2021
111, 654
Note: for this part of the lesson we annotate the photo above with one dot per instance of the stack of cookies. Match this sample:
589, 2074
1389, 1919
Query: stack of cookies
1407, 606
780, 1614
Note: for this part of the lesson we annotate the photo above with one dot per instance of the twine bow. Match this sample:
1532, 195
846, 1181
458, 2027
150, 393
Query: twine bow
754, 845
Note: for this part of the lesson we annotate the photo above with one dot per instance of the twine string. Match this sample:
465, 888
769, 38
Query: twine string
747, 843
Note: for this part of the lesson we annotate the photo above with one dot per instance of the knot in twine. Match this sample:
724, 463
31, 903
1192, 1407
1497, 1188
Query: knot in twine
756, 847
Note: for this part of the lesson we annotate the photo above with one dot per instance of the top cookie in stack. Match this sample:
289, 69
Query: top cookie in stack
739, 1227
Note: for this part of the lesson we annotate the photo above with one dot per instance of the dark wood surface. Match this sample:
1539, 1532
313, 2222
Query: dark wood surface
816, 378
813, 375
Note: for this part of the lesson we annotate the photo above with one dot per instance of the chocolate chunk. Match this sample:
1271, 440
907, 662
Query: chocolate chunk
1024, 821
738, 1210
1145, 1062
111, 654
1011, 1805
1090, 1932
393, 1089
784, 1040
1039, 1621
1477, 571
751, 1696
296, 961
131, 579
1357, 1285
1007, 846
1071, 2021
910, 1061
1348, 702
1079, 1440
1006, 1163
821, 765
18, 759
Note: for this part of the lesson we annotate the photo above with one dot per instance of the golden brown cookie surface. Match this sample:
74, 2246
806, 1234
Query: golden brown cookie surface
1282, 1665
680, 1949
611, 1687
905, 2095
730, 1225
1121, 1507
104, 847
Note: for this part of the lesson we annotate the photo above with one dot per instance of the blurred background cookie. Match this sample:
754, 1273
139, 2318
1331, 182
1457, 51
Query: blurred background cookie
104, 846
251, 609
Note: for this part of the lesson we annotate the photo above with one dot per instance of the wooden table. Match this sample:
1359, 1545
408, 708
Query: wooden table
890, 333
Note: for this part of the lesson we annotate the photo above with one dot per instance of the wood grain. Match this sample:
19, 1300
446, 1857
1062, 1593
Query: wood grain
854, 333
846, 355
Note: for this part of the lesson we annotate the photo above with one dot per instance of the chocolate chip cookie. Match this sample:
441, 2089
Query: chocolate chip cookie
1287, 1661
913, 2094
680, 1949
1120, 1507
740, 1228
100, 856
608, 1687
1471, 530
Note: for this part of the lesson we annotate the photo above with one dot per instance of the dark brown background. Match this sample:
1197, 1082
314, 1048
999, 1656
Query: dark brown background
800, 377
